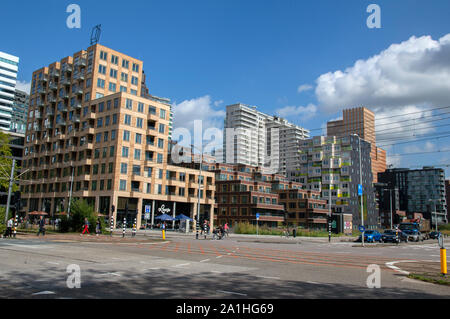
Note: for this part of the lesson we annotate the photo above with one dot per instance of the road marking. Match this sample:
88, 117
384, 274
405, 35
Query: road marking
392, 263
266, 277
216, 272
205, 260
312, 283
44, 293
111, 274
181, 265
219, 256
52, 263
231, 293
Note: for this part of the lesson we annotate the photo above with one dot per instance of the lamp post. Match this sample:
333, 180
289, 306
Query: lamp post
360, 182
435, 212
199, 189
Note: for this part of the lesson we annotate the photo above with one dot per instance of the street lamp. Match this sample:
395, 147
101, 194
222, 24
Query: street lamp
360, 182
199, 188
435, 212
390, 198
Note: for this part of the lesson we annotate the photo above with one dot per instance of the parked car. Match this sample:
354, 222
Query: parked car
390, 236
370, 236
435, 235
414, 235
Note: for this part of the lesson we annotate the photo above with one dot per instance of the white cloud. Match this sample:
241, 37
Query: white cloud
414, 72
304, 112
23, 86
304, 88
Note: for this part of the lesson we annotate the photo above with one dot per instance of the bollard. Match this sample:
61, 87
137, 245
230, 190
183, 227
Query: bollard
164, 231
134, 228
124, 225
15, 226
443, 261
111, 228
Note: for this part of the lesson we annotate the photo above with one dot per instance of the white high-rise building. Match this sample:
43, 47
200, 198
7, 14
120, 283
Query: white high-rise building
259, 139
9, 66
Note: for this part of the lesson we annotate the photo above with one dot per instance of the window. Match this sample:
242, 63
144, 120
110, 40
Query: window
125, 64
101, 83
129, 104
136, 67
114, 59
123, 89
127, 120
160, 143
112, 87
136, 170
95, 169
111, 151
103, 55
97, 153
137, 154
113, 135
160, 158
114, 119
139, 122
124, 151
88, 83
162, 114
138, 138
124, 77
113, 73
123, 168
123, 185
152, 110
126, 136
116, 103
141, 107
162, 128
100, 122
134, 80
98, 137
102, 69
133, 92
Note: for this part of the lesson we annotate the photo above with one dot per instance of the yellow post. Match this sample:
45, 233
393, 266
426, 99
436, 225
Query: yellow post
444, 261
164, 234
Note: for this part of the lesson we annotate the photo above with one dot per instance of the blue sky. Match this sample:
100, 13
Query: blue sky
226, 51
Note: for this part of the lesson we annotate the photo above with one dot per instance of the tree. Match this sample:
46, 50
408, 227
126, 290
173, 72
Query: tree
80, 209
6, 163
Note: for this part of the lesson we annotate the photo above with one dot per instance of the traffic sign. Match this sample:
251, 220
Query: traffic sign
360, 190
257, 216
362, 229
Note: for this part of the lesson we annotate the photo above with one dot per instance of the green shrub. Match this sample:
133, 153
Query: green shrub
80, 209
2, 220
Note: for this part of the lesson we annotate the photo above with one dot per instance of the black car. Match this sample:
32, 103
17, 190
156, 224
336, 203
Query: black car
390, 236
435, 235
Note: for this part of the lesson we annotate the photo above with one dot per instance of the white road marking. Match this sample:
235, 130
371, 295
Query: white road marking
181, 265
219, 256
44, 293
111, 274
392, 263
52, 263
266, 277
231, 293
205, 260
313, 282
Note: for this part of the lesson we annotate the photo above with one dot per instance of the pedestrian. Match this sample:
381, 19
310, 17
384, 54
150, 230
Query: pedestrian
9, 228
98, 227
86, 227
294, 232
226, 228
41, 225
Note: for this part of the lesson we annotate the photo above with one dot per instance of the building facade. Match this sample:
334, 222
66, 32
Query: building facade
360, 121
261, 140
333, 163
447, 191
420, 191
20, 112
93, 132
9, 67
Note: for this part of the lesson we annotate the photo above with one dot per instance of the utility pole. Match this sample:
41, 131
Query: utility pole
199, 188
11, 180
329, 208
362, 193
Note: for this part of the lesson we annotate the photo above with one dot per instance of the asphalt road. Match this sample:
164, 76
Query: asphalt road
185, 268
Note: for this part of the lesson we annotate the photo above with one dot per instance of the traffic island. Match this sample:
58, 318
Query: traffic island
425, 271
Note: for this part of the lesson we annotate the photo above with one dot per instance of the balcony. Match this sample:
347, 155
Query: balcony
78, 91
51, 99
77, 105
75, 119
67, 68
38, 116
80, 62
53, 86
79, 76
65, 81
64, 96
61, 123
48, 126
54, 73
49, 112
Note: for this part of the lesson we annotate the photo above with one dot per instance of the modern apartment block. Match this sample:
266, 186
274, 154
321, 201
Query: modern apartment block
420, 191
447, 191
9, 66
260, 139
94, 132
360, 121
20, 112
334, 163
